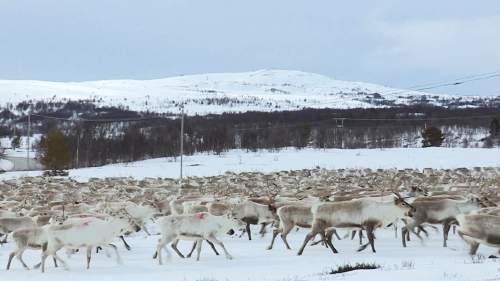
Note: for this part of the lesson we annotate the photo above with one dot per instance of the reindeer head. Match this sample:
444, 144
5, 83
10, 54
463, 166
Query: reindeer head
401, 203
122, 214
234, 223
58, 219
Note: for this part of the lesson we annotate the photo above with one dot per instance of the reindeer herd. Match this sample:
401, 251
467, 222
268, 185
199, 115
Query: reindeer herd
54, 214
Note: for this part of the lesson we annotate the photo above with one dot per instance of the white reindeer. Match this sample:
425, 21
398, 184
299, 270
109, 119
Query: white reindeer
197, 227
93, 233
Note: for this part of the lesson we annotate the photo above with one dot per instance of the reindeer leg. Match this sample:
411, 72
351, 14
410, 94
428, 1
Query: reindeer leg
64, 264
446, 230
118, 257
404, 233
11, 256
473, 244
214, 240
127, 246
262, 230
213, 247
360, 234
371, 238
89, 253
473, 248
328, 241
249, 233
314, 243
159, 247
198, 249
19, 256
353, 233
334, 231
276, 231
143, 226
192, 249
308, 237
4, 241
176, 250
422, 229
284, 236
44, 256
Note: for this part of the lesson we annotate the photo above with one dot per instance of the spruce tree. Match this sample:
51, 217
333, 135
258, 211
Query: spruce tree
432, 136
54, 151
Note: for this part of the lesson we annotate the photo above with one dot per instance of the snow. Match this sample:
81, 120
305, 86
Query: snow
6, 165
263, 90
252, 261
203, 164
428, 261
6, 143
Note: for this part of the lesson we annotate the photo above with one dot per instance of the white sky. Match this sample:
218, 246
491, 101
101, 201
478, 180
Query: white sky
394, 43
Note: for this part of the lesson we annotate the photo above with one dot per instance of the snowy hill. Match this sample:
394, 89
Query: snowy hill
263, 90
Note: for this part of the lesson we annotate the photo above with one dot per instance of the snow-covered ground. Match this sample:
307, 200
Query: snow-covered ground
429, 261
6, 143
263, 90
291, 159
252, 261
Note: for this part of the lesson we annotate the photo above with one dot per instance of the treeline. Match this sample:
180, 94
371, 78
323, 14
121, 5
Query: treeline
99, 143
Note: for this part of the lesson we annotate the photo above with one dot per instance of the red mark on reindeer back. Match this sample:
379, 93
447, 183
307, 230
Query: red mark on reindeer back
200, 215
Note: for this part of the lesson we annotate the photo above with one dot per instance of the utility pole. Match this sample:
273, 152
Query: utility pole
77, 144
28, 145
182, 139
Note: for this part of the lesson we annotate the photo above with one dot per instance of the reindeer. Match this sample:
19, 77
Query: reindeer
291, 216
365, 213
437, 211
197, 227
31, 238
476, 229
254, 213
93, 233
8, 225
192, 209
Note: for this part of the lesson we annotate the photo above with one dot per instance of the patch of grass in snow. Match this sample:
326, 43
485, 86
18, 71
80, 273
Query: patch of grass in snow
295, 278
478, 259
358, 266
407, 265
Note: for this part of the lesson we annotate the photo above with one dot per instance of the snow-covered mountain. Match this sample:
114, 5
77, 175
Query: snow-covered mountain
263, 90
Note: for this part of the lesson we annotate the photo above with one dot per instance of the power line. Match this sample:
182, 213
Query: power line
305, 123
301, 124
422, 119
109, 120
453, 80
456, 83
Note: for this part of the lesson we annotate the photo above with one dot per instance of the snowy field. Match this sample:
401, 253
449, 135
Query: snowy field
291, 159
428, 261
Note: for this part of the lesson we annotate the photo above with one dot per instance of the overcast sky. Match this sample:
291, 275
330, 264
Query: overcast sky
394, 43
